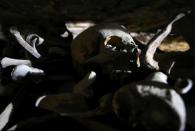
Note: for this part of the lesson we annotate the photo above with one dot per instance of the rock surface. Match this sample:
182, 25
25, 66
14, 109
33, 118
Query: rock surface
137, 14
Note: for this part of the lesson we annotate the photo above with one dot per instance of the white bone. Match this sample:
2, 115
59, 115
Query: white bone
85, 82
156, 88
155, 43
6, 61
30, 37
162, 78
5, 115
183, 90
39, 100
158, 77
13, 128
23, 43
22, 71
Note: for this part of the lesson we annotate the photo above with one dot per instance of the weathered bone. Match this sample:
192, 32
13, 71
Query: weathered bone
85, 83
98, 46
22, 71
5, 115
34, 40
104, 107
155, 42
13, 128
6, 61
182, 86
152, 103
25, 44
187, 85
53, 102
158, 77
78, 27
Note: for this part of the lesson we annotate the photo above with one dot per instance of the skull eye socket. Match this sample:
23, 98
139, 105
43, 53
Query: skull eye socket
114, 42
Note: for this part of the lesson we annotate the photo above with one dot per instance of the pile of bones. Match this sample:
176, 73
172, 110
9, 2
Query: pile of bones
112, 83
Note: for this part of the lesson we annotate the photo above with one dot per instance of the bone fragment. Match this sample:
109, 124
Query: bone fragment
23, 43
155, 42
6, 61
85, 82
31, 37
22, 71
5, 115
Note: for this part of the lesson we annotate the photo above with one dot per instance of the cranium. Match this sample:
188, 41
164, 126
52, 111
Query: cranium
152, 103
110, 46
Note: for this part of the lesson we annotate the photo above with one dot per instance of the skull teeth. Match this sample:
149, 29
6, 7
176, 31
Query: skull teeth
115, 48
118, 74
122, 71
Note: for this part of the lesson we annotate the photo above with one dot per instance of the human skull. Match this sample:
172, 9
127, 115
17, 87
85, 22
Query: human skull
151, 103
110, 46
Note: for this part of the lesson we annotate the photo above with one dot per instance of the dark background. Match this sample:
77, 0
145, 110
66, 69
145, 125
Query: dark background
137, 14
50, 16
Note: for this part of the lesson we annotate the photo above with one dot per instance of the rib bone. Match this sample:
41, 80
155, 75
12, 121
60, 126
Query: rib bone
23, 43
34, 37
155, 42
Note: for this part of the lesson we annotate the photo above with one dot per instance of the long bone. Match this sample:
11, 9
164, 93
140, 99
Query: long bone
22, 71
5, 115
59, 99
55, 102
155, 42
6, 61
31, 49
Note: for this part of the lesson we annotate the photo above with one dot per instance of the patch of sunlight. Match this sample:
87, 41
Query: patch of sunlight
174, 45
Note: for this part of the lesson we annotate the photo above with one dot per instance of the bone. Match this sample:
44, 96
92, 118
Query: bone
6, 61
155, 42
34, 40
158, 77
5, 115
25, 44
39, 100
183, 86
21, 71
85, 82
13, 128
151, 101
58, 102
171, 67
77, 28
